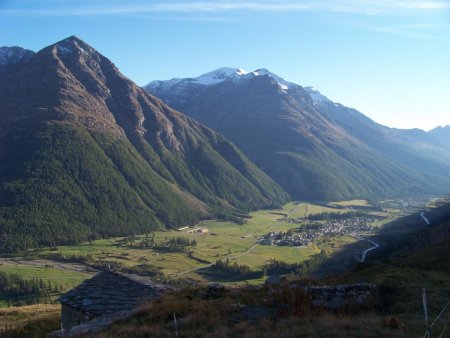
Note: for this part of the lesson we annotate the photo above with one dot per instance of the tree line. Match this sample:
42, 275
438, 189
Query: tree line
19, 291
273, 267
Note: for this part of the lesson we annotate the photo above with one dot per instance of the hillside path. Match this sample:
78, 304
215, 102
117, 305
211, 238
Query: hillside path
375, 245
363, 256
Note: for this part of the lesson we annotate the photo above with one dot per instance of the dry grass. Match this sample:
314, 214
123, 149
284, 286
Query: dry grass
286, 314
352, 203
30, 320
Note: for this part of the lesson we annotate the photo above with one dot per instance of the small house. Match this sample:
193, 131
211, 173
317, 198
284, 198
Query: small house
107, 293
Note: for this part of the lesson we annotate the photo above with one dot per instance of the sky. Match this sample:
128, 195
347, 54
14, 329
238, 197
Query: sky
390, 59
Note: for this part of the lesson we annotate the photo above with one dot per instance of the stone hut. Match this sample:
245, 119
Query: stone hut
106, 294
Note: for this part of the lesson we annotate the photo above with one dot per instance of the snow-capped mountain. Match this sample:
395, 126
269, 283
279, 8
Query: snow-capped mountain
178, 86
313, 147
217, 76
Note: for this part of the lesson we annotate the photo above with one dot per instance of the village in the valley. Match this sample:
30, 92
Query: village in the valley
328, 228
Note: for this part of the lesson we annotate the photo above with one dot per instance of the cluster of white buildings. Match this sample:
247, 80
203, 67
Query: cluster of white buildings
286, 239
328, 228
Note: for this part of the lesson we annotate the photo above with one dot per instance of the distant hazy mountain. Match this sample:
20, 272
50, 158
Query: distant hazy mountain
84, 152
314, 148
442, 134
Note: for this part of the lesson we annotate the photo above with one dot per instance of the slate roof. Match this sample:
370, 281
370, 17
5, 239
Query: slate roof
110, 292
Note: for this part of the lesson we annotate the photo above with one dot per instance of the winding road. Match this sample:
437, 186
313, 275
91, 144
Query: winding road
375, 245
422, 214
363, 256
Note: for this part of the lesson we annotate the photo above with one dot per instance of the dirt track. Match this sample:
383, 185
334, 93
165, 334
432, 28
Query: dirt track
42, 263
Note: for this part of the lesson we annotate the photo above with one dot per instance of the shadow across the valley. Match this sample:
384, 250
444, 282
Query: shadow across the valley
216, 275
397, 238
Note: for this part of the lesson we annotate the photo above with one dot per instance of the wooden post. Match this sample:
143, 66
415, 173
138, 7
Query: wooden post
425, 311
176, 326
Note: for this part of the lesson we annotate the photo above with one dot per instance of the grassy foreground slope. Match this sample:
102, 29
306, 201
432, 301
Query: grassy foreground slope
411, 256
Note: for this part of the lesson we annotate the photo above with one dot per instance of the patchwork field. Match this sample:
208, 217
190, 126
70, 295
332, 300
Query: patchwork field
214, 240
303, 210
60, 277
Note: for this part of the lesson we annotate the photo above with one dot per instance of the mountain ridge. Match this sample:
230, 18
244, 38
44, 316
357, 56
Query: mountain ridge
87, 153
318, 149
442, 133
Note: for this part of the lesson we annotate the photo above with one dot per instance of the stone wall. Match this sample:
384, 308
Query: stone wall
340, 296
72, 317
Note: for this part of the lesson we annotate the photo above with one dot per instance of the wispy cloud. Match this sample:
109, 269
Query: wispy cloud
367, 7
421, 31
373, 13
171, 7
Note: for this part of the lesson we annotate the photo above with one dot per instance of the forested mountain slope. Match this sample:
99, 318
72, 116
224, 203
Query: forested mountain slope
84, 152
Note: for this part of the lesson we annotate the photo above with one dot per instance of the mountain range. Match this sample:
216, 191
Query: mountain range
86, 153
441, 133
314, 148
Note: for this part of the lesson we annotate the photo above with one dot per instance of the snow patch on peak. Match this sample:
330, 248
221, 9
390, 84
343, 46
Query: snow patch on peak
73, 45
224, 72
237, 74
220, 75
241, 71
282, 83
315, 95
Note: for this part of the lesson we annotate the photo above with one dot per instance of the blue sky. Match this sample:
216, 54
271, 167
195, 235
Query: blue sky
389, 59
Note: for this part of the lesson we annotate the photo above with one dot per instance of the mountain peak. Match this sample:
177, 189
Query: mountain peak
442, 133
73, 39
221, 75
73, 45
224, 72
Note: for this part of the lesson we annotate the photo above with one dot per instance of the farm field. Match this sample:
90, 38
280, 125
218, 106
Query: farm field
303, 210
65, 279
352, 203
214, 240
